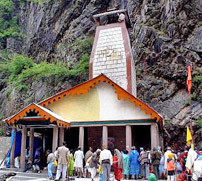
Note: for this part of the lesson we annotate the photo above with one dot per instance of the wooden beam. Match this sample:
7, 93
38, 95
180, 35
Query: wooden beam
128, 137
109, 13
55, 138
81, 137
31, 144
61, 137
23, 148
105, 136
154, 136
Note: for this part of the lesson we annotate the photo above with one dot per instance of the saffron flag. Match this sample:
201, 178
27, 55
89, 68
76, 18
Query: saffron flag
189, 79
189, 137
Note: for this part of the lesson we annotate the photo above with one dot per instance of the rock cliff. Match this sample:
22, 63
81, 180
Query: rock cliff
166, 35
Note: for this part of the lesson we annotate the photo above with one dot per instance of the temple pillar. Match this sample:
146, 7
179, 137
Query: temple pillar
81, 137
55, 138
31, 143
154, 136
23, 148
105, 136
128, 137
61, 137
12, 157
161, 142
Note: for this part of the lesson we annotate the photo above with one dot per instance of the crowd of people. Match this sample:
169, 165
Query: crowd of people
127, 164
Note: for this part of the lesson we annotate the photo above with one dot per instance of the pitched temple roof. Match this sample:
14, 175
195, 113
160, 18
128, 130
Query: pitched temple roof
41, 111
83, 88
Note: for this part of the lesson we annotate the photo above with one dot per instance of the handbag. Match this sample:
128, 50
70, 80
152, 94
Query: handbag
55, 163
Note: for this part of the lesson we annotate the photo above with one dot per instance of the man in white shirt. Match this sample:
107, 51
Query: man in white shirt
106, 161
78, 163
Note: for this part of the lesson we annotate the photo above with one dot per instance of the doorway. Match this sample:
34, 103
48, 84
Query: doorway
141, 136
71, 136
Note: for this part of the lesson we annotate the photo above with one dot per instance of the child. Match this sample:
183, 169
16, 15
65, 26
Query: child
178, 166
170, 167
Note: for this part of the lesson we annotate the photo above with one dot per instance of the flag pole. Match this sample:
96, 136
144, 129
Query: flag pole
189, 80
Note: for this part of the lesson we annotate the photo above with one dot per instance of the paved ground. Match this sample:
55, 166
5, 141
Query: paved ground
36, 177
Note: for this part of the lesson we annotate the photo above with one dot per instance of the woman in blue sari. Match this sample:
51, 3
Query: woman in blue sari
134, 163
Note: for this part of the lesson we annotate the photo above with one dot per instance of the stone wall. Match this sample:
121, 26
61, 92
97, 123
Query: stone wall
110, 56
5, 143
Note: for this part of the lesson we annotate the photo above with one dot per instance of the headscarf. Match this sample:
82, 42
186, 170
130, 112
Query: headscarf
158, 148
120, 158
98, 150
170, 156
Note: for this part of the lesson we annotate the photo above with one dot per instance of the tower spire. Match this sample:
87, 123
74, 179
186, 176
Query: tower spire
112, 53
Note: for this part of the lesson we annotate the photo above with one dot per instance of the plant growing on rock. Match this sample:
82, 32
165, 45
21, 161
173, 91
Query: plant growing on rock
197, 87
9, 26
22, 71
199, 122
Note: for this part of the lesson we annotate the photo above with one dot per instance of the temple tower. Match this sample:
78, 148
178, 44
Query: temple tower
111, 53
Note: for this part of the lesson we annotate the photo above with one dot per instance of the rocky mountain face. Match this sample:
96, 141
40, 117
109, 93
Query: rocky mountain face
166, 36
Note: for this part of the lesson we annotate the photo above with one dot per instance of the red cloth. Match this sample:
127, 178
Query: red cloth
181, 177
189, 79
117, 171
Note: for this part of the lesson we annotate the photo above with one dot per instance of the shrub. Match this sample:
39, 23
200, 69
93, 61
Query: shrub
82, 66
43, 70
84, 45
18, 64
197, 86
1, 130
9, 26
22, 70
199, 122
197, 79
6, 7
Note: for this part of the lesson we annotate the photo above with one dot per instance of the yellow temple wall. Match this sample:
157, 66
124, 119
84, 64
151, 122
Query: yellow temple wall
100, 104
78, 107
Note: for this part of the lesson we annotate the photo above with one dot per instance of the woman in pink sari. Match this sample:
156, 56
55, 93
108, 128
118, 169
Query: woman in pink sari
118, 164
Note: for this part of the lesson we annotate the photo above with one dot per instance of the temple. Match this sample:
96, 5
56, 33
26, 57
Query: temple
104, 110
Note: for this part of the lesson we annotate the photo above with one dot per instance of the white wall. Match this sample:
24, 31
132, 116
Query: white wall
113, 109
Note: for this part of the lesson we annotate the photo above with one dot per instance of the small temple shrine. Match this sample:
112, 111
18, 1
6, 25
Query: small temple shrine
104, 110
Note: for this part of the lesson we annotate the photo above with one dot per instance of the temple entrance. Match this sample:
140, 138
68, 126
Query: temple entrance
117, 137
71, 137
95, 137
141, 136
85, 139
